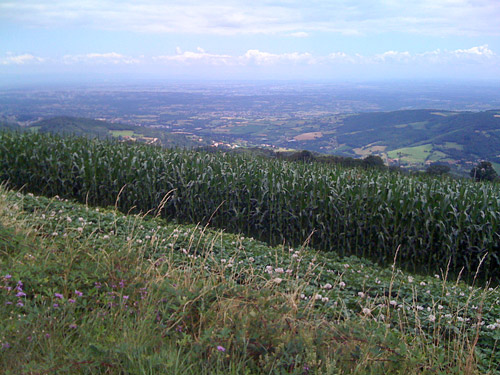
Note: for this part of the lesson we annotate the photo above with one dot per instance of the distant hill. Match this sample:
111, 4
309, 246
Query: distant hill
103, 129
419, 137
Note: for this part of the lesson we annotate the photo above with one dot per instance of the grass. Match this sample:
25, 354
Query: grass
92, 291
123, 133
416, 155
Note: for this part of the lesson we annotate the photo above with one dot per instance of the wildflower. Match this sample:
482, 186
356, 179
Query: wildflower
105, 237
327, 286
366, 311
20, 294
410, 279
318, 297
342, 284
58, 295
73, 326
78, 293
440, 307
277, 280
71, 300
279, 270
324, 299
423, 283
7, 277
393, 303
432, 318
361, 294
5, 345
125, 298
20, 304
220, 348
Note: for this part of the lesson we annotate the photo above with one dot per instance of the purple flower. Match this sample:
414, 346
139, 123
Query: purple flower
58, 295
8, 303
125, 298
220, 348
55, 305
5, 345
71, 300
73, 326
78, 293
20, 304
122, 284
7, 277
20, 294
97, 284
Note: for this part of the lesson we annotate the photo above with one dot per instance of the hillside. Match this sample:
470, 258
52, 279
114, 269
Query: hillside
415, 138
436, 223
104, 129
90, 290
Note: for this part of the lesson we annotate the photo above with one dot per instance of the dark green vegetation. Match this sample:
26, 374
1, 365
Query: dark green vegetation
85, 127
436, 223
484, 171
92, 291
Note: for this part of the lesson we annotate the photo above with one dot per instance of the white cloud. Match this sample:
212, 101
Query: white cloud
299, 34
12, 59
230, 17
267, 58
100, 58
199, 56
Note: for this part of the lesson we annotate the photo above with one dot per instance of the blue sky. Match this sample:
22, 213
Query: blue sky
289, 39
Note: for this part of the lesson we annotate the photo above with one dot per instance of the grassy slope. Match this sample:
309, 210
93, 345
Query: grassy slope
85, 290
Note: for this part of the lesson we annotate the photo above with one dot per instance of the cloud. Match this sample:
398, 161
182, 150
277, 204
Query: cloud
199, 56
232, 17
267, 58
12, 59
100, 58
299, 34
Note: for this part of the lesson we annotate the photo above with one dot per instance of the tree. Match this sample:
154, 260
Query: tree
373, 161
483, 172
437, 169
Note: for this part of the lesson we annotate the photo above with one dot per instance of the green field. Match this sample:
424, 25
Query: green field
123, 133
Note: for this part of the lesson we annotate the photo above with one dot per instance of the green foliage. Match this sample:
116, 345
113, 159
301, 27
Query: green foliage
437, 169
484, 171
436, 224
107, 293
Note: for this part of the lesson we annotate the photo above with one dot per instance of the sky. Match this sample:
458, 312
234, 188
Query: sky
250, 40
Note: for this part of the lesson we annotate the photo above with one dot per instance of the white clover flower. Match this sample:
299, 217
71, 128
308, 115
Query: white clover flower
419, 308
346, 266
361, 294
366, 311
251, 259
432, 318
491, 326
393, 303
327, 286
342, 284
68, 219
324, 299
318, 297
423, 283
440, 307
279, 270
105, 237
410, 279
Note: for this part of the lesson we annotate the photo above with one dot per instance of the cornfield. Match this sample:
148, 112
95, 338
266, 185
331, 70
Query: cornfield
436, 223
